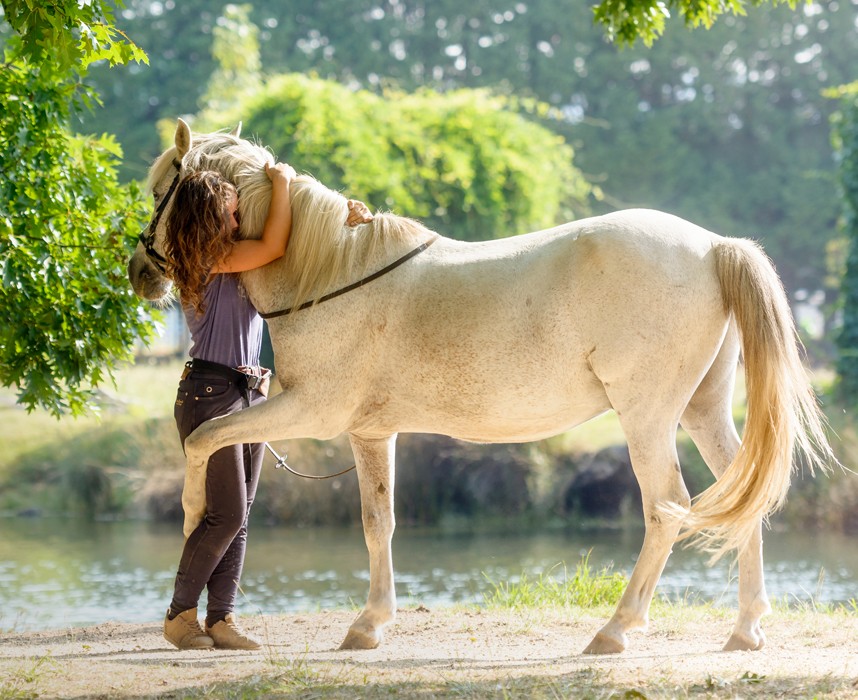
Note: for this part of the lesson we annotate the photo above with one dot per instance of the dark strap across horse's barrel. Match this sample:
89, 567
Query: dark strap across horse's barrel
374, 276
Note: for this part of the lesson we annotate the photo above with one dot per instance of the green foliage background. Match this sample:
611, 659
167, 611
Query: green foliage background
846, 141
725, 127
465, 162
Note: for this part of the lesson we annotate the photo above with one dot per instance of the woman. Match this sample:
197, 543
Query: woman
204, 252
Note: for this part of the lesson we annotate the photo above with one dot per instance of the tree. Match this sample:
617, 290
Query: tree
65, 222
465, 162
846, 144
725, 127
178, 36
235, 50
626, 21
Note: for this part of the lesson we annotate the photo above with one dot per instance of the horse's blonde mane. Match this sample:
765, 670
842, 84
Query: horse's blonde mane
238, 160
322, 250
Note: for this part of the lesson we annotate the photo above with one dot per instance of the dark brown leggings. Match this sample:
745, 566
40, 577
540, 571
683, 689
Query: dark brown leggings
213, 555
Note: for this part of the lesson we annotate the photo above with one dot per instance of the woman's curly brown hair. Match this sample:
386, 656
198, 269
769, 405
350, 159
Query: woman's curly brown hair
198, 235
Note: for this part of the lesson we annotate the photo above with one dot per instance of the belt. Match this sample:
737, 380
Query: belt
256, 378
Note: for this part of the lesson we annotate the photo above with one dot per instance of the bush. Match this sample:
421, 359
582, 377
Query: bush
466, 163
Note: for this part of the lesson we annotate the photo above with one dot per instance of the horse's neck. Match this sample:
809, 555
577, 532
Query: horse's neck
270, 287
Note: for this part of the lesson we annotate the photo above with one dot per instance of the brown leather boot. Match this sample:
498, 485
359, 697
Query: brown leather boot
184, 631
228, 635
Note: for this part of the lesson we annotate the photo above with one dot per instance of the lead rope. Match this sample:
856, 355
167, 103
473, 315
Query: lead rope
281, 464
281, 461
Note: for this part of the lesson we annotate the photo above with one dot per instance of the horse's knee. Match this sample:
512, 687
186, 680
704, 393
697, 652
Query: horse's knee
377, 524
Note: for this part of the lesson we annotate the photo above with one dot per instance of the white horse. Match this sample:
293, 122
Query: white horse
514, 340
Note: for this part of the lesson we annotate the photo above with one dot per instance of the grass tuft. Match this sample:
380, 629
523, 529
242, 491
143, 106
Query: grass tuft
585, 589
20, 682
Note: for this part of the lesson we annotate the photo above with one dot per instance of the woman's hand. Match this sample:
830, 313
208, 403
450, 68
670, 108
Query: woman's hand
250, 253
280, 173
358, 213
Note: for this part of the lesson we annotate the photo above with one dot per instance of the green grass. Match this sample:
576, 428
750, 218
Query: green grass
142, 391
90, 463
586, 588
19, 683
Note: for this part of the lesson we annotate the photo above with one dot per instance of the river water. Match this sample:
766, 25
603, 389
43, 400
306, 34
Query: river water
56, 573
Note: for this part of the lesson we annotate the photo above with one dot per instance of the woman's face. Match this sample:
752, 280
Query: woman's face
233, 220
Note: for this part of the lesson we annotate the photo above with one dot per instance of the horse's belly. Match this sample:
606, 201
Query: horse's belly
515, 428
502, 402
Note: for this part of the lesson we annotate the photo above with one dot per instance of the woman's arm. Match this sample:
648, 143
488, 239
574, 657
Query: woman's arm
248, 254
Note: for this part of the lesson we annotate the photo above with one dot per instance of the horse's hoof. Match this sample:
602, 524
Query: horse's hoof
360, 640
603, 644
740, 642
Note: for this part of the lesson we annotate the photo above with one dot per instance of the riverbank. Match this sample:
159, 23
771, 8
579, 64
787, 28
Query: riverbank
451, 652
129, 464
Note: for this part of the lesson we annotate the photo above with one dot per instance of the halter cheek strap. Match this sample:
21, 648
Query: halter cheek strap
147, 237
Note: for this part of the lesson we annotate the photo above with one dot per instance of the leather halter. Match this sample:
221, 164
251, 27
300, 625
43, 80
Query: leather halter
354, 285
147, 237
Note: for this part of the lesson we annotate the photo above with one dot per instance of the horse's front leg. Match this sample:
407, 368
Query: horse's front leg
194, 490
279, 418
375, 468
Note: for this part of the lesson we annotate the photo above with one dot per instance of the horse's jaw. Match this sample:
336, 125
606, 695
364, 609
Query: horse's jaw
146, 280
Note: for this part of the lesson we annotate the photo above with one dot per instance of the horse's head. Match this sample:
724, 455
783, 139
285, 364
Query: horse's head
323, 251
240, 161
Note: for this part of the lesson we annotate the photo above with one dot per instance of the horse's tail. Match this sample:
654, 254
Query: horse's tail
783, 417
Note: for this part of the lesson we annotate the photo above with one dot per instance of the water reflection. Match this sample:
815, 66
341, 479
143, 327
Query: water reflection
57, 573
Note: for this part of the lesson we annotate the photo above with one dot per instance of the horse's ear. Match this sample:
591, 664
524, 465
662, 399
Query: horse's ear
182, 138
236, 131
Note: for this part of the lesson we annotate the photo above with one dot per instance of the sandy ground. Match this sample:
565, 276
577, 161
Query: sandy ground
448, 652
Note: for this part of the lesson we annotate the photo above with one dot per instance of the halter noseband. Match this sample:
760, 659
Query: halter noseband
147, 237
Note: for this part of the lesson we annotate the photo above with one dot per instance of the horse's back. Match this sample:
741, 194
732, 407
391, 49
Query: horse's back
590, 277
658, 244
528, 331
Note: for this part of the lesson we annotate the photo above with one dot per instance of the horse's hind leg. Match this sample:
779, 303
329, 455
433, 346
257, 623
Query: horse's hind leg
708, 420
652, 446
375, 468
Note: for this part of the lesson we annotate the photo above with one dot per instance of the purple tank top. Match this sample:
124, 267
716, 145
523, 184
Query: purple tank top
229, 331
